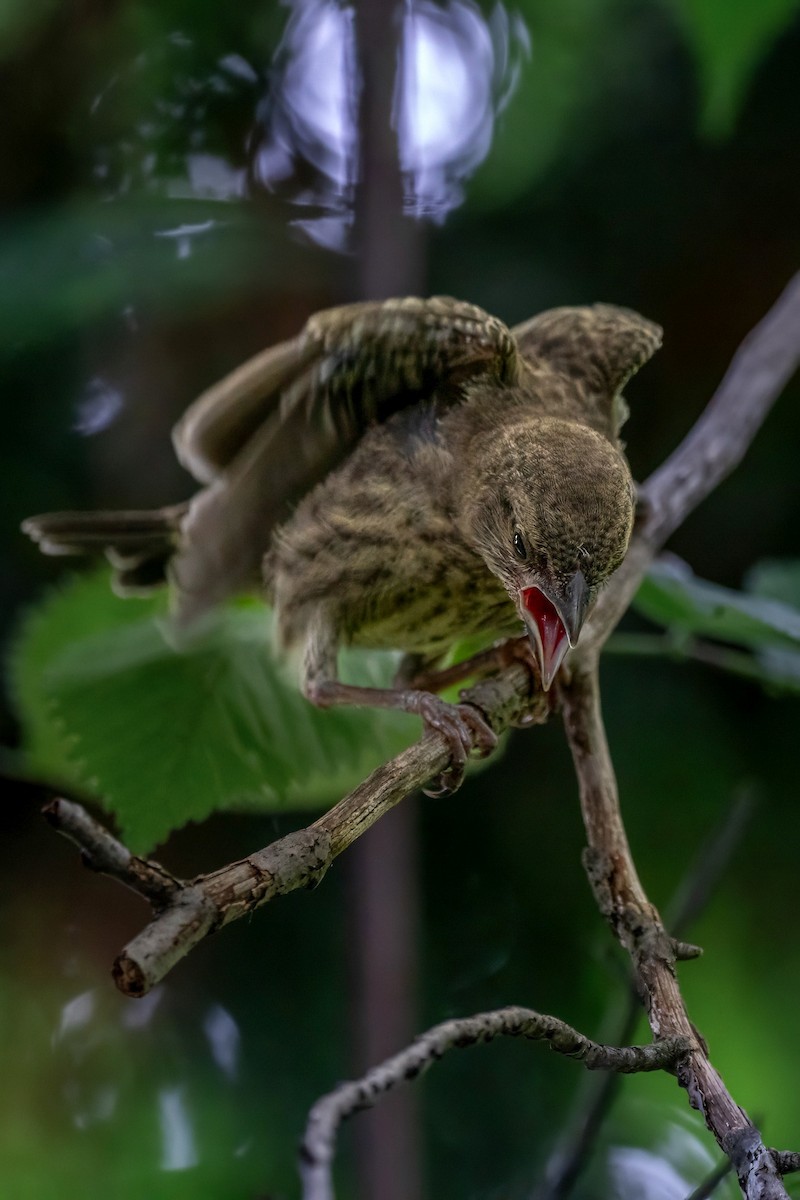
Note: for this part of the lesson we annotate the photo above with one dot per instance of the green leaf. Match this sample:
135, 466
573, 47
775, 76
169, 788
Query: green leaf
166, 733
671, 595
757, 620
73, 610
729, 40
776, 578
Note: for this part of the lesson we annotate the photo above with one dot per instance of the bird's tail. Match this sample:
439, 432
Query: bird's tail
138, 545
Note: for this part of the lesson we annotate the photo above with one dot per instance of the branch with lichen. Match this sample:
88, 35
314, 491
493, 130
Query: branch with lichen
187, 911
318, 1146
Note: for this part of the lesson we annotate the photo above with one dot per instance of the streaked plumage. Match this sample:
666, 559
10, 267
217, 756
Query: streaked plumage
400, 475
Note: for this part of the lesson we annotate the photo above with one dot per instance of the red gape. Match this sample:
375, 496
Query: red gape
547, 632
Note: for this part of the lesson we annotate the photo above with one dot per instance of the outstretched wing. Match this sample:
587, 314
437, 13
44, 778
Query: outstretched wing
269, 432
600, 346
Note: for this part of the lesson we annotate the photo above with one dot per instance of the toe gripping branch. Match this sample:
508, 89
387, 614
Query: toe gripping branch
464, 728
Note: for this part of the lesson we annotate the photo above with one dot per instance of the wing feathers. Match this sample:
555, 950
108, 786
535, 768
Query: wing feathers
272, 430
350, 366
265, 435
217, 426
601, 346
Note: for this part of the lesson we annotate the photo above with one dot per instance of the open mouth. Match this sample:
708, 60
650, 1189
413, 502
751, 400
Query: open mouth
546, 631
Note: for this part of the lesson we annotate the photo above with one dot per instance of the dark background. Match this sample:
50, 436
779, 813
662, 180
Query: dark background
165, 191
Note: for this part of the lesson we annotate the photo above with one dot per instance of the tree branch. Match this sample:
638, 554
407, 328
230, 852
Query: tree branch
759, 371
189, 910
719, 440
102, 852
319, 1142
637, 926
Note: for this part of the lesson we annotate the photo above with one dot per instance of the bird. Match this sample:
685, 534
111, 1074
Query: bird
400, 475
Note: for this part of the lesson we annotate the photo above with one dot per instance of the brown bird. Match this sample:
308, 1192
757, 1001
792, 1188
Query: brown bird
400, 475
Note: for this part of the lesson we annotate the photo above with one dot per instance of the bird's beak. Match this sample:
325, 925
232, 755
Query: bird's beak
554, 621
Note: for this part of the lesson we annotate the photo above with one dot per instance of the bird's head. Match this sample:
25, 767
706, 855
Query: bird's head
551, 516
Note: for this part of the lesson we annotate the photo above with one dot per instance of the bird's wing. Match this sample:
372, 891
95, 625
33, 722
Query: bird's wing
349, 367
269, 432
600, 346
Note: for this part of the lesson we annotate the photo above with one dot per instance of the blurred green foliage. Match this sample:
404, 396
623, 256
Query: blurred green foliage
675, 597
729, 41
66, 269
765, 620
20, 19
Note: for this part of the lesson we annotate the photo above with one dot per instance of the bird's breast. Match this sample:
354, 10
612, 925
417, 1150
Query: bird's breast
377, 547
433, 604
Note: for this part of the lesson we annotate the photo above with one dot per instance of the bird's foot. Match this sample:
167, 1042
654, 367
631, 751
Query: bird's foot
462, 726
464, 729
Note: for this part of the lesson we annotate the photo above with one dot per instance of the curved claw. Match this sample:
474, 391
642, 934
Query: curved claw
484, 738
464, 730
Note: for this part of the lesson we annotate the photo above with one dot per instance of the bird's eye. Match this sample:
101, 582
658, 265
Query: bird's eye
519, 547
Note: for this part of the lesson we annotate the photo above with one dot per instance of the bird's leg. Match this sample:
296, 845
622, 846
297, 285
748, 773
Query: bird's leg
417, 666
493, 659
461, 725
432, 679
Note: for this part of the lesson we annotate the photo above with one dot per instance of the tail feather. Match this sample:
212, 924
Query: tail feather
138, 544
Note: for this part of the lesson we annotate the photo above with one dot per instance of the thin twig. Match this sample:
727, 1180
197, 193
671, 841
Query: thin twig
787, 1161
102, 852
719, 440
319, 1142
759, 371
